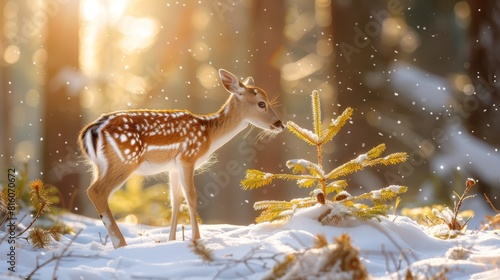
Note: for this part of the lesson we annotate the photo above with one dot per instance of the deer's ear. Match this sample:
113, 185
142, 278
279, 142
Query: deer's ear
249, 82
231, 82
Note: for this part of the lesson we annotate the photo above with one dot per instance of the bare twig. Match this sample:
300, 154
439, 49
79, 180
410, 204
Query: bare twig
249, 260
105, 239
40, 210
490, 203
455, 224
7, 235
57, 258
56, 266
150, 237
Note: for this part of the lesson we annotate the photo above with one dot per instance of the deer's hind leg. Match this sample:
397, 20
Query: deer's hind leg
99, 193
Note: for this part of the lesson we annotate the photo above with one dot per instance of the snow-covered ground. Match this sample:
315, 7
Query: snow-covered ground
387, 249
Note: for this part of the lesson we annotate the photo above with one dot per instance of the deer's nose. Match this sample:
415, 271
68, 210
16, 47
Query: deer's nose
278, 124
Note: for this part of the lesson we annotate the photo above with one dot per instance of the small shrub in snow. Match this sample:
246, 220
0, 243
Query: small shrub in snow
456, 225
327, 184
337, 260
38, 196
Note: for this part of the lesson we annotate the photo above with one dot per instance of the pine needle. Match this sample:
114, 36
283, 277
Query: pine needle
39, 237
336, 186
336, 124
255, 179
376, 151
316, 108
56, 231
345, 169
39, 196
280, 211
201, 250
281, 268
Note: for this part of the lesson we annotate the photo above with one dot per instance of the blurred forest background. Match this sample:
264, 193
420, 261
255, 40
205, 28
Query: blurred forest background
421, 75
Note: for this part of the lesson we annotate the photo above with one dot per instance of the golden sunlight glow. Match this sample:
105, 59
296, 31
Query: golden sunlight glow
134, 83
296, 30
395, 32
462, 13
32, 98
200, 18
116, 9
323, 12
393, 29
114, 27
200, 50
410, 42
301, 68
207, 75
12, 54
139, 33
462, 82
89, 9
92, 17
131, 219
324, 47
93, 9
39, 57
86, 98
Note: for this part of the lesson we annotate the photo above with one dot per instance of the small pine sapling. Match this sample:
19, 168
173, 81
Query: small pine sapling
32, 195
41, 199
308, 174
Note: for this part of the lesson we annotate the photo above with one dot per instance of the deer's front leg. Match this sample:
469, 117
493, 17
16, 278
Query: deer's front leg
186, 172
99, 193
175, 201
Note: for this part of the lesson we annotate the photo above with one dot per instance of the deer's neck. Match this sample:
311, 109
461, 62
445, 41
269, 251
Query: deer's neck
225, 123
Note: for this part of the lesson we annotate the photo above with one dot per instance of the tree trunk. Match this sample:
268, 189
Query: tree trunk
482, 108
484, 119
62, 111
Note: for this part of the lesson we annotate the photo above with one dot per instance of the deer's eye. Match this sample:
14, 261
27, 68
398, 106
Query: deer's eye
262, 104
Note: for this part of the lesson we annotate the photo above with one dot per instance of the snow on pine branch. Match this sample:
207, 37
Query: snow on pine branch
305, 134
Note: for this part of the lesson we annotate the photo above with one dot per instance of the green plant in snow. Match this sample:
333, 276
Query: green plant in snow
329, 187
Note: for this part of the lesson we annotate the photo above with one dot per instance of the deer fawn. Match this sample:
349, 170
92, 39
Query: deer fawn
148, 142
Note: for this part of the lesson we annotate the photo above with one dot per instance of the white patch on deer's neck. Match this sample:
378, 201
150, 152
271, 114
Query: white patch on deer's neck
223, 139
226, 108
235, 127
